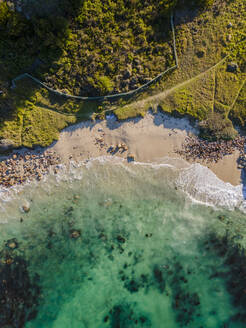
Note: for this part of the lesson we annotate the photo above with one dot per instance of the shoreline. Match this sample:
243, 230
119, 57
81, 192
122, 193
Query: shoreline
152, 139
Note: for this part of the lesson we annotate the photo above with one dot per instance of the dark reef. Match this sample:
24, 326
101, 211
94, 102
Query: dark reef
19, 292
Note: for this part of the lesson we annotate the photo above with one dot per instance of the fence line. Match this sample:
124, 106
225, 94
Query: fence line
117, 95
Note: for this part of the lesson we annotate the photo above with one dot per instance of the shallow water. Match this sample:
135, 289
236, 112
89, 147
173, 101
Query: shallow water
146, 256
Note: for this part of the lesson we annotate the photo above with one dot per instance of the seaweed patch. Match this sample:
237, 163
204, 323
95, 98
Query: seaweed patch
123, 316
19, 292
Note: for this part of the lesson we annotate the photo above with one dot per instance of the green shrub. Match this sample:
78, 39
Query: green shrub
217, 127
104, 83
12, 23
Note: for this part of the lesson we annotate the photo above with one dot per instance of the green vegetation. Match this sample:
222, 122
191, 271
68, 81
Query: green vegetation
92, 49
203, 84
238, 112
217, 127
95, 47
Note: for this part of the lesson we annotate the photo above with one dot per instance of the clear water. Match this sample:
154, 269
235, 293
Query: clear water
146, 256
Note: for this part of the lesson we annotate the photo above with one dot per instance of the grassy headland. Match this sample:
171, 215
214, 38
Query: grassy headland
95, 47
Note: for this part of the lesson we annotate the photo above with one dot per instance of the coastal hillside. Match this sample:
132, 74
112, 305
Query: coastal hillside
96, 48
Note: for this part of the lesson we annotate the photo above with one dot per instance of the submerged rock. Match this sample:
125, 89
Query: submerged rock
26, 208
75, 234
228, 247
123, 316
121, 239
12, 243
159, 278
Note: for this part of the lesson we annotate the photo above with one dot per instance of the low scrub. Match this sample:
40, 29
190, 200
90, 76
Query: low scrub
217, 127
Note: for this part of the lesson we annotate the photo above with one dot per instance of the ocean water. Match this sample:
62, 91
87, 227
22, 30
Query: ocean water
145, 254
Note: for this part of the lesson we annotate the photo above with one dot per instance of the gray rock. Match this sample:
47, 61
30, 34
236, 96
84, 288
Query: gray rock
75, 234
6, 144
232, 67
130, 158
26, 208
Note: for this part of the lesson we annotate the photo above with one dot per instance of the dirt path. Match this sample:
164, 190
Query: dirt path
165, 93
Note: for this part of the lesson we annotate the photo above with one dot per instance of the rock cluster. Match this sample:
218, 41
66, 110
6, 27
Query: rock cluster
242, 161
195, 148
20, 168
120, 147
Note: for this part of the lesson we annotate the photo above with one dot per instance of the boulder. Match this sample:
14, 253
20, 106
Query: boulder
130, 158
75, 234
232, 67
121, 239
26, 208
12, 243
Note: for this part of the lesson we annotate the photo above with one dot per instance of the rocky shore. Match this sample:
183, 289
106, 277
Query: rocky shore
197, 149
22, 167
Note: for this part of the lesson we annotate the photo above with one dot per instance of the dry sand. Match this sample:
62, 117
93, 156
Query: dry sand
150, 139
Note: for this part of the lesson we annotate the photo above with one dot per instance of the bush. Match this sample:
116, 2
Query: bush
104, 83
197, 3
217, 127
13, 24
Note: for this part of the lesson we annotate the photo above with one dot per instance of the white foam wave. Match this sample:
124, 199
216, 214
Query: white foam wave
203, 186
198, 182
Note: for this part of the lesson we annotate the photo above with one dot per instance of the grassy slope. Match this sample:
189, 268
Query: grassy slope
216, 89
39, 116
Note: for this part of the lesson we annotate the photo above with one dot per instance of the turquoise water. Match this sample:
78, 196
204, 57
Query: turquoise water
144, 256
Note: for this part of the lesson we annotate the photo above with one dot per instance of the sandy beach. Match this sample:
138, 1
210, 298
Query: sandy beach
156, 138
150, 139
